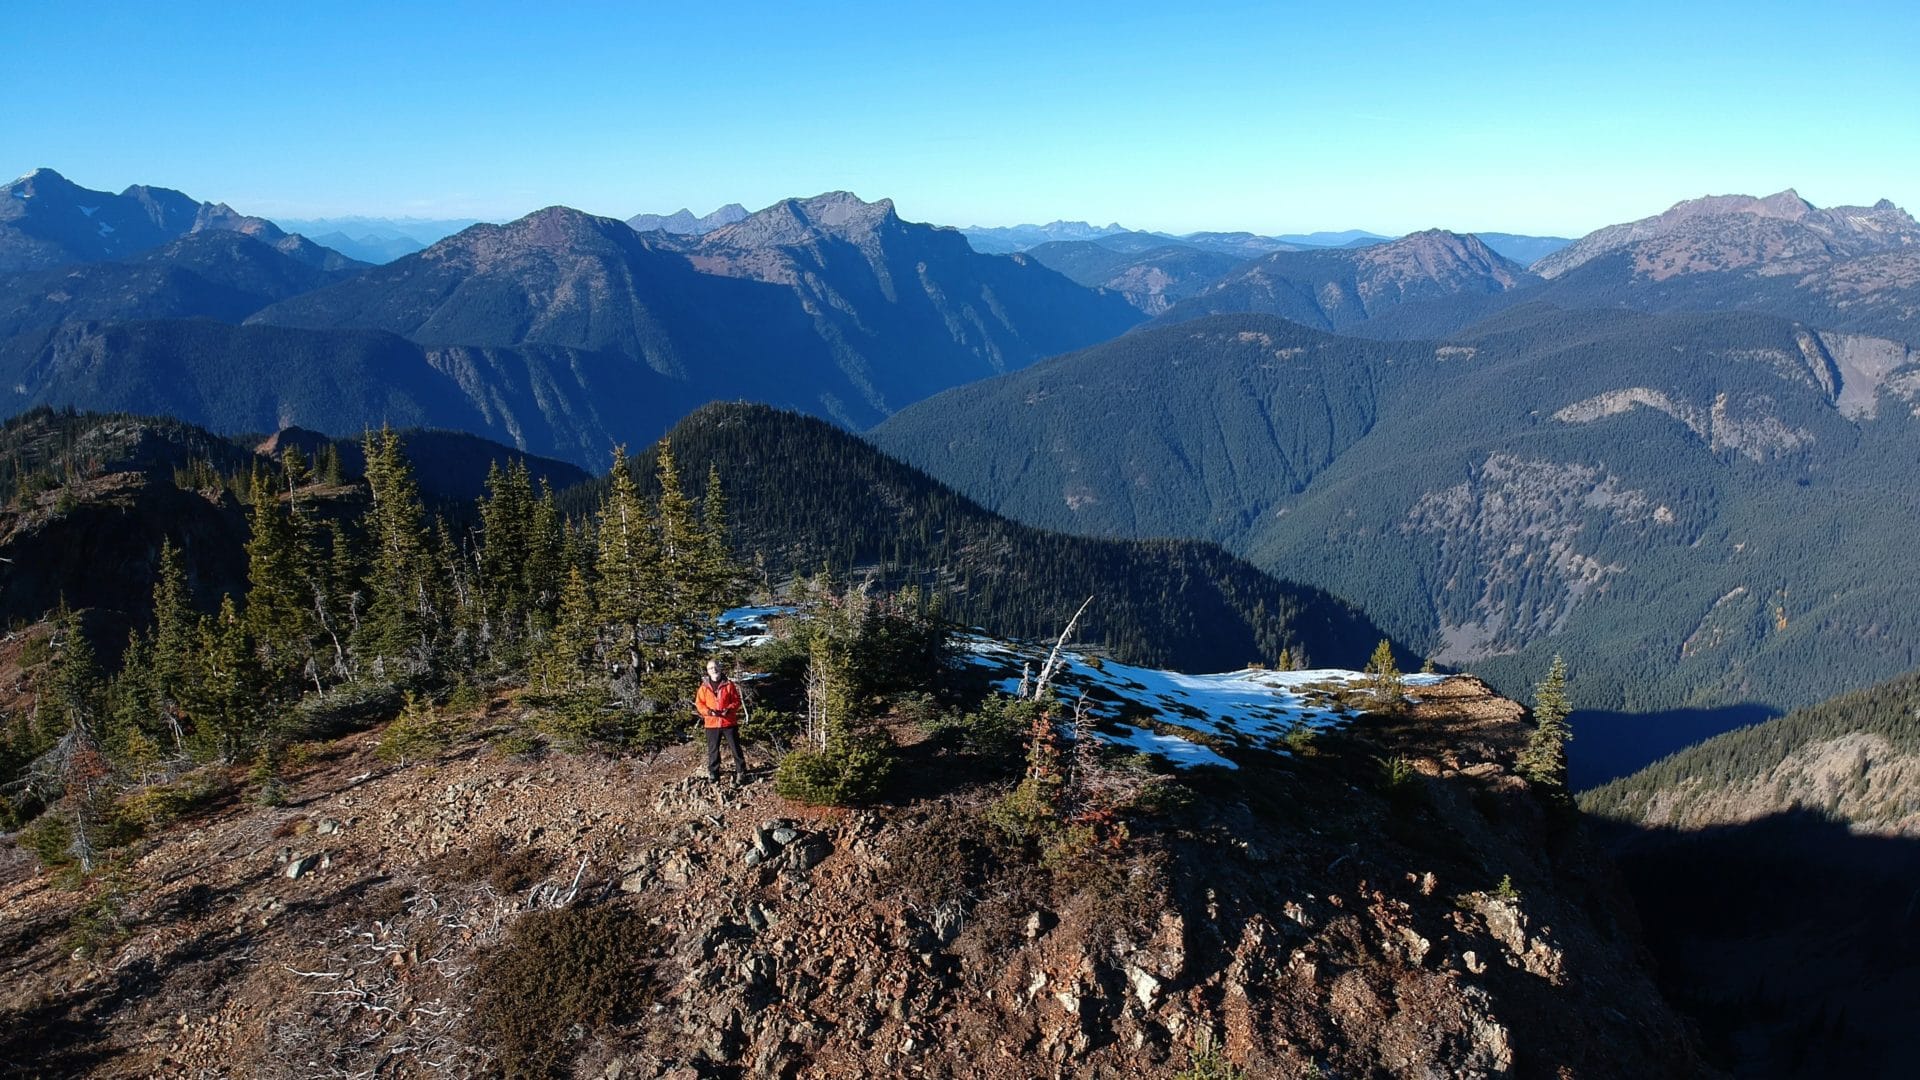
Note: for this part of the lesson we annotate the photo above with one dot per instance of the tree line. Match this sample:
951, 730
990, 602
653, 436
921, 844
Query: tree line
369, 600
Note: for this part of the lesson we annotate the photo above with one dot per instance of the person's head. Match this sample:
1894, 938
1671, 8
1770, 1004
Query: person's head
713, 670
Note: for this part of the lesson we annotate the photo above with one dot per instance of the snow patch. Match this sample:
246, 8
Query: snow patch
743, 627
1173, 748
1253, 706
89, 211
105, 229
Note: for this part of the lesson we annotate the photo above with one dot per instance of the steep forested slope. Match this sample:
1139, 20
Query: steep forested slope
216, 275
805, 495
1697, 510
1790, 846
558, 402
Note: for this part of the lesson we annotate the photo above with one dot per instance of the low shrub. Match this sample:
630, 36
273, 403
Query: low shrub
515, 742
50, 838
508, 871
419, 731
1027, 814
163, 804
771, 727
349, 707
1505, 890
1399, 782
853, 770
559, 977
997, 729
99, 924
1210, 1065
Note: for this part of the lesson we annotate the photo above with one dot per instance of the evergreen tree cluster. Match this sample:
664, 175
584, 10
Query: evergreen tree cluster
856, 657
612, 605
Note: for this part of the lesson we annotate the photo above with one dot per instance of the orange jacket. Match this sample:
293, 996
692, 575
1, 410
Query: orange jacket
718, 704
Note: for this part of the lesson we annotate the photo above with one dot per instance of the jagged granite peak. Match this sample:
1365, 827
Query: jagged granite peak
682, 222
1780, 233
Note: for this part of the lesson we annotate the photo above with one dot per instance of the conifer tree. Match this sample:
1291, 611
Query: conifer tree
129, 735
278, 616
74, 772
570, 650
1544, 761
294, 464
452, 608
506, 524
680, 604
628, 562
339, 597
546, 569
226, 703
720, 576
74, 691
1388, 685
331, 473
175, 635
396, 626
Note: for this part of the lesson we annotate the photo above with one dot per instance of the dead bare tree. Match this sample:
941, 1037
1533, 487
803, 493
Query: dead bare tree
1052, 666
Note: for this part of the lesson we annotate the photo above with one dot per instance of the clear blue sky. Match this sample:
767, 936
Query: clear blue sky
1392, 116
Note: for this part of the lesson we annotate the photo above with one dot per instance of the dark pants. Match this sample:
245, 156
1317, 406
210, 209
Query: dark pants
713, 752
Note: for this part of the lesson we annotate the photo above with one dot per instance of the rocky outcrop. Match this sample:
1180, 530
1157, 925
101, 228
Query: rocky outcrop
1294, 921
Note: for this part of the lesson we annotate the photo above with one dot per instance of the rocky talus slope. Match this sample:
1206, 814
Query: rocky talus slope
1295, 917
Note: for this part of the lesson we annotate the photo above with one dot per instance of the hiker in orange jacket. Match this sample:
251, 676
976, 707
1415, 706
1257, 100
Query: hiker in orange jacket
719, 705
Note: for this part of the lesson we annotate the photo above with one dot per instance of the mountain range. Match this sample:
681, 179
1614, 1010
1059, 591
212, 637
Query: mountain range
683, 223
1333, 289
374, 239
1698, 511
1675, 452
561, 332
48, 221
830, 304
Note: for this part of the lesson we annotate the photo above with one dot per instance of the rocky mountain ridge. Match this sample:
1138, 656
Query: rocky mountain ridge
47, 221
683, 222
832, 305
1336, 289
1779, 234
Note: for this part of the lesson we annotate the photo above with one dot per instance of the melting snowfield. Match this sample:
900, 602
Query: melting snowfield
1253, 707
1136, 707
